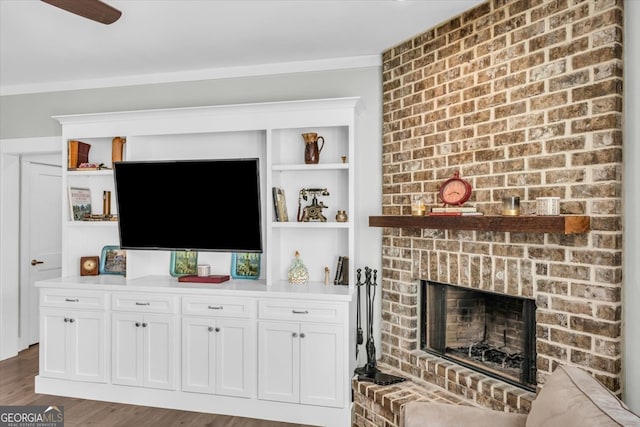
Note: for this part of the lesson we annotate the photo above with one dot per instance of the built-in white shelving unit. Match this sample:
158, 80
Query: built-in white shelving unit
260, 320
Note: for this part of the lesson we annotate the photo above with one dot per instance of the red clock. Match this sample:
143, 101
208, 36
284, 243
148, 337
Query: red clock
455, 191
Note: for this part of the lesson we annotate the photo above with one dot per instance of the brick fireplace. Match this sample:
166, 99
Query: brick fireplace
523, 98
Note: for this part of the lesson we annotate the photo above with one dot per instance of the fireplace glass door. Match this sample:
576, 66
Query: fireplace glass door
487, 332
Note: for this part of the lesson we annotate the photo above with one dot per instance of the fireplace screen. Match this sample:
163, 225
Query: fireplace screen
487, 332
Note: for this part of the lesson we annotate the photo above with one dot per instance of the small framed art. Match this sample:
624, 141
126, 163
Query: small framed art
79, 203
245, 265
113, 260
183, 263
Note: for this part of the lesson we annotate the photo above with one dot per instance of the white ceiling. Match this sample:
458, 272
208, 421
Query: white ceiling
43, 48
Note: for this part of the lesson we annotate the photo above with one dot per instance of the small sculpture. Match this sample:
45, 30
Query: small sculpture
298, 273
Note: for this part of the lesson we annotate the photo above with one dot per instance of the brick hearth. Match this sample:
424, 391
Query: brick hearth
524, 98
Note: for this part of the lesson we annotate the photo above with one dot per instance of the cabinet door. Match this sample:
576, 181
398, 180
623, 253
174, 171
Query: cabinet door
126, 349
54, 351
159, 351
322, 365
234, 357
87, 340
198, 347
279, 361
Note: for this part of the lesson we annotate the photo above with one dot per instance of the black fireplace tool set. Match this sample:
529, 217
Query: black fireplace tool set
369, 372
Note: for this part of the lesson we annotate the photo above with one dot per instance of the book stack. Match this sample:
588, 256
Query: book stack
77, 153
280, 205
342, 271
454, 211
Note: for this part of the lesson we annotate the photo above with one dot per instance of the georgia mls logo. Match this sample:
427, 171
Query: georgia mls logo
55, 412
31, 416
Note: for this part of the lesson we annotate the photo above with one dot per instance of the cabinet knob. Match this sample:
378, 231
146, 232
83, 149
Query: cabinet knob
295, 334
144, 325
302, 335
137, 324
210, 328
66, 319
71, 320
217, 329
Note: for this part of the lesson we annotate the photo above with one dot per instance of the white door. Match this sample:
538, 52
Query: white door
279, 361
234, 357
159, 348
321, 365
88, 343
126, 349
41, 202
54, 351
198, 346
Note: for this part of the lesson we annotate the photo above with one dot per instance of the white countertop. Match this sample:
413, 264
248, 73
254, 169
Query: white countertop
171, 285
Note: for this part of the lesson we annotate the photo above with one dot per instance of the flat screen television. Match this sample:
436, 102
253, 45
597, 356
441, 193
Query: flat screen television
198, 205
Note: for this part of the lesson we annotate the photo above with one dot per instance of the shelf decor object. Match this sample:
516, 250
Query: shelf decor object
183, 263
245, 265
89, 265
79, 203
298, 273
113, 260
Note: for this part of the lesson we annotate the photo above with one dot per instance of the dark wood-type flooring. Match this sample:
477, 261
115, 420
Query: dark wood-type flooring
17, 389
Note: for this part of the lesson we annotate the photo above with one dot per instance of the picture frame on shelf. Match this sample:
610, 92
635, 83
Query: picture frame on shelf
245, 265
113, 260
183, 263
79, 203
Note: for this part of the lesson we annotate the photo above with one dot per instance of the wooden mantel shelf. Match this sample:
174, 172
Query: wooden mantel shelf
570, 224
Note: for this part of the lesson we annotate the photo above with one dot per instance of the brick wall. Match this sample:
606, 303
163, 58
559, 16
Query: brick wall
523, 98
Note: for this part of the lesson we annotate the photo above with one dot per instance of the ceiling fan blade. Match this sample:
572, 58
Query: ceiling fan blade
90, 9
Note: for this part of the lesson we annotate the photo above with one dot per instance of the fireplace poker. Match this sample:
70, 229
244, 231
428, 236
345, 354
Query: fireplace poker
370, 371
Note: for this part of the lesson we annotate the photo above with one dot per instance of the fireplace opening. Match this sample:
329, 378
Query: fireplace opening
484, 331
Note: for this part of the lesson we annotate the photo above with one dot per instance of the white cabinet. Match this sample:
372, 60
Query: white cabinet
218, 346
143, 345
301, 360
259, 348
73, 335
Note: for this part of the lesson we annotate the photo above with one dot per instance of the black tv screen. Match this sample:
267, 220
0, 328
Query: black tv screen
199, 205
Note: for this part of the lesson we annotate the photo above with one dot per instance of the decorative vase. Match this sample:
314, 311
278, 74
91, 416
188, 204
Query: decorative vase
311, 149
341, 216
298, 273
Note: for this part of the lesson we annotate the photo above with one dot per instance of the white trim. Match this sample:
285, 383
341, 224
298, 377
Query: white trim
631, 205
206, 74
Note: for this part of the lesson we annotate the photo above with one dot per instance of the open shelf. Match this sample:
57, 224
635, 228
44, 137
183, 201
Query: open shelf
571, 224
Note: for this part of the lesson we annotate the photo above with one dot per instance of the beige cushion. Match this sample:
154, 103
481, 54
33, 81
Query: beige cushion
431, 414
572, 397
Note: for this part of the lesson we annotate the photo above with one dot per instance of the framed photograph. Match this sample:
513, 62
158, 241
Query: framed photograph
113, 260
245, 265
183, 263
79, 203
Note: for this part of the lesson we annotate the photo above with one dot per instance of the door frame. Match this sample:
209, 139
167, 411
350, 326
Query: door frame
11, 152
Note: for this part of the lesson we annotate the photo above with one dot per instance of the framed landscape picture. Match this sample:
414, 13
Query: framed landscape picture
245, 265
183, 263
113, 260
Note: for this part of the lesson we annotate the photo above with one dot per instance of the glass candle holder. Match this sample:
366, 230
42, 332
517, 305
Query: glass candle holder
418, 207
511, 206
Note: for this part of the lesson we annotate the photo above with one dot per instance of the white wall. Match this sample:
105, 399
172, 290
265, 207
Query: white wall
29, 116
631, 205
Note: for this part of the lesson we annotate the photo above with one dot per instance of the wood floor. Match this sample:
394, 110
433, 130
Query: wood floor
17, 389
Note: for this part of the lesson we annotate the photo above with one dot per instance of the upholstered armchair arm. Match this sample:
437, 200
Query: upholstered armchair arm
431, 414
